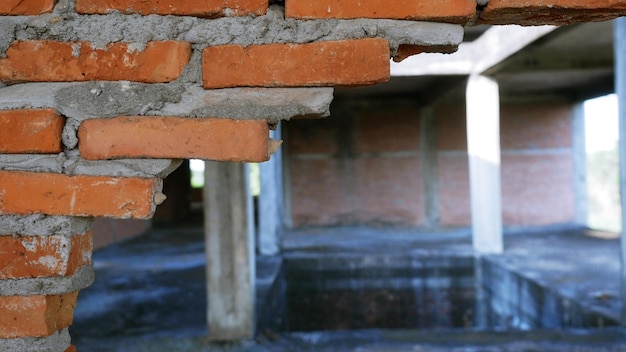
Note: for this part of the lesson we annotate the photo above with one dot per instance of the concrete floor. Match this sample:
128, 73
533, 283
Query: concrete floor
149, 293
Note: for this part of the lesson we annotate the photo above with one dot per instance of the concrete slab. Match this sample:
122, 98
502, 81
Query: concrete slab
150, 294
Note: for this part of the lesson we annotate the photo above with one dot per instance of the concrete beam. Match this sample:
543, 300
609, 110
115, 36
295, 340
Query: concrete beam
483, 147
619, 31
494, 46
271, 201
230, 251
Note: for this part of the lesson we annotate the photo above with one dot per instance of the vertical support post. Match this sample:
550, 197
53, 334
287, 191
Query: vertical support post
229, 241
286, 170
271, 202
579, 155
483, 147
619, 29
428, 147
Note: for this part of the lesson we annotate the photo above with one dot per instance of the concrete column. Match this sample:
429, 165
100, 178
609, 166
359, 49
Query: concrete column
271, 202
428, 148
286, 179
580, 164
620, 88
483, 147
229, 241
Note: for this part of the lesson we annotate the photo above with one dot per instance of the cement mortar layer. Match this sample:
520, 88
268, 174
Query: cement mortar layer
43, 225
70, 164
270, 28
46, 286
81, 101
58, 341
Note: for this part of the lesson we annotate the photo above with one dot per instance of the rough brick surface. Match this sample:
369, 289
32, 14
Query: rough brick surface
333, 63
25, 8
558, 12
454, 11
58, 194
37, 256
211, 8
36, 316
174, 137
40, 61
30, 131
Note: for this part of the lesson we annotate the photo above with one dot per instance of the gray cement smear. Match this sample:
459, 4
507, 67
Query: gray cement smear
81, 279
270, 28
58, 341
71, 164
252, 103
43, 225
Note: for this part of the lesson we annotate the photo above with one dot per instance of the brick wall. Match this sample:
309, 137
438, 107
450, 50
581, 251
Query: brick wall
99, 101
363, 166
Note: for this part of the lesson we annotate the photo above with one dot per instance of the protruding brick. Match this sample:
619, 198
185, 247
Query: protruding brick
25, 8
36, 316
405, 51
210, 8
30, 131
333, 63
558, 12
41, 61
25, 193
174, 137
37, 256
452, 11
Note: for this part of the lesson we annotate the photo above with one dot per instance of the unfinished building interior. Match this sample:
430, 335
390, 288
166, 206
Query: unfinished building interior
382, 214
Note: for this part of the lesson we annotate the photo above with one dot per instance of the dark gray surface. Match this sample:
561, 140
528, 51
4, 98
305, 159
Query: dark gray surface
149, 293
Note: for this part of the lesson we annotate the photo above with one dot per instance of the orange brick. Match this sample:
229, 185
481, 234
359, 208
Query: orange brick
453, 11
26, 193
407, 50
25, 8
210, 8
40, 61
174, 137
72, 348
559, 12
40, 256
30, 131
333, 63
36, 316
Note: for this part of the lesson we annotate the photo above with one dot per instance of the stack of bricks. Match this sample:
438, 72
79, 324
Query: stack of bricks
100, 99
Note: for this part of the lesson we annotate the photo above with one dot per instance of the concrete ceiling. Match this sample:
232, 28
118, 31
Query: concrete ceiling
566, 63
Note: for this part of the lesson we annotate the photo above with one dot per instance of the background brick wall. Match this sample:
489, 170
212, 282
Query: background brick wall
363, 166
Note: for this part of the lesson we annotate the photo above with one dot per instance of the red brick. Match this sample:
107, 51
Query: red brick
40, 256
72, 348
36, 316
333, 63
406, 50
174, 137
454, 190
26, 193
41, 61
454, 11
559, 12
30, 131
25, 8
210, 8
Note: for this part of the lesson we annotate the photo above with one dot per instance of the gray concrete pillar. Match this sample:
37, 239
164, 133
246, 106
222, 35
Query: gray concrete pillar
579, 155
271, 202
430, 174
483, 147
619, 30
229, 241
